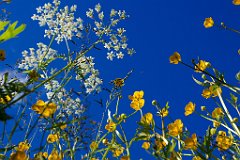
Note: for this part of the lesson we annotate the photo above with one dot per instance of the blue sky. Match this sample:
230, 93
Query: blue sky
156, 29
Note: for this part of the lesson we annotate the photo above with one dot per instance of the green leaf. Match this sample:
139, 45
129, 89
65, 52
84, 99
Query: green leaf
3, 24
12, 32
120, 136
198, 82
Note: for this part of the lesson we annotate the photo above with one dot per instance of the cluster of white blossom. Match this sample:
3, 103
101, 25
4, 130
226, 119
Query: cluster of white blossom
88, 74
114, 39
62, 98
61, 22
32, 58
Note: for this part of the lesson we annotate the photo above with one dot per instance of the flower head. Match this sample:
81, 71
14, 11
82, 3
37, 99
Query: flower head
19, 155
208, 23
236, 2
147, 119
137, 100
201, 66
175, 58
46, 110
93, 145
217, 113
146, 145
223, 141
111, 126
206, 93
118, 151
54, 155
175, 128
189, 108
191, 142
52, 138
215, 90
23, 146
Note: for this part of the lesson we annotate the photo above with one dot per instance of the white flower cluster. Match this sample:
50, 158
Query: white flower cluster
32, 57
116, 42
62, 98
85, 71
61, 22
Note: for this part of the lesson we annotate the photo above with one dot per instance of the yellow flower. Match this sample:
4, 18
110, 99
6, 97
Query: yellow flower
19, 155
146, 145
175, 128
206, 93
215, 90
41, 156
175, 58
189, 108
217, 113
111, 126
118, 151
5, 100
63, 126
216, 124
147, 119
54, 155
202, 65
208, 23
191, 142
46, 110
23, 146
52, 138
164, 112
2, 55
196, 158
236, 2
125, 158
159, 145
137, 100
93, 145
223, 141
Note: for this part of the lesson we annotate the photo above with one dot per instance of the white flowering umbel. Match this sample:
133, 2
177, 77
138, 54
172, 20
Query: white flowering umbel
86, 72
114, 39
66, 104
32, 58
61, 23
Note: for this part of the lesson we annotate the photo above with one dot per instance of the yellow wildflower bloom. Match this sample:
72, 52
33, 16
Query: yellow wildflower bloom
41, 156
202, 65
63, 126
215, 90
137, 100
196, 158
236, 2
175, 128
118, 151
111, 126
125, 158
191, 142
217, 113
164, 112
189, 108
5, 100
46, 110
147, 119
223, 141
54, 155
206, 93
216, 124
52, 138
19, 155
146, 145
175, 58
93, 145
208, 23
159, 145
23, 146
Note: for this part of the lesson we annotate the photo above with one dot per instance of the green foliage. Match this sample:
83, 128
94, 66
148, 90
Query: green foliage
11, 31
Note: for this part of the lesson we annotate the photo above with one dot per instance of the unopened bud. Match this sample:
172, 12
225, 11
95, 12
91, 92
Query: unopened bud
154, 102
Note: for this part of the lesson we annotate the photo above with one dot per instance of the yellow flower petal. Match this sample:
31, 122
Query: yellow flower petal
189, 108
175, 58
208, 23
